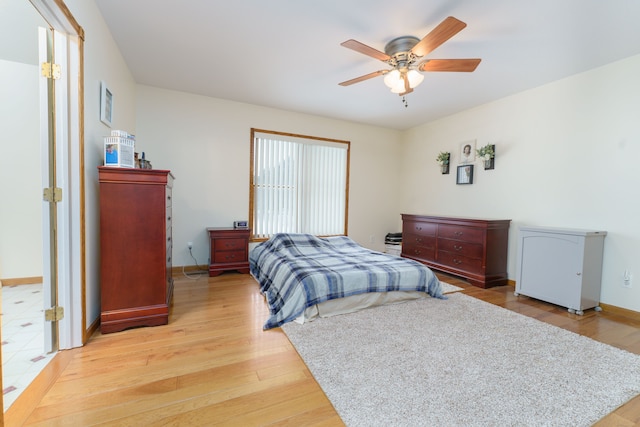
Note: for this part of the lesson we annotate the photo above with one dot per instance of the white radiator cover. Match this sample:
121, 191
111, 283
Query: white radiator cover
560, 266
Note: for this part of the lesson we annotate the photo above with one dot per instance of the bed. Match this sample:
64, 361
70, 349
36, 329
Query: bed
303, 277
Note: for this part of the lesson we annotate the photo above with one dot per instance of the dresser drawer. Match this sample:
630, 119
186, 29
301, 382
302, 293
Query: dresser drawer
418, 240
230, 244
420, 228
168, 196
168, 216
467, 234
460, 262
470, 250
223, 257
418, 252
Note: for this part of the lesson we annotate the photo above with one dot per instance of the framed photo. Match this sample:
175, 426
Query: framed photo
465, 174
467, 152
106, 104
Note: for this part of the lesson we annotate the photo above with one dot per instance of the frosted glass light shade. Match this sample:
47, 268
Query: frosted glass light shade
415, 78
399, 88
392, 79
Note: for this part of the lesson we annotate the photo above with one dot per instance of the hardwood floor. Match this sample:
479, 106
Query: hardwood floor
214, 365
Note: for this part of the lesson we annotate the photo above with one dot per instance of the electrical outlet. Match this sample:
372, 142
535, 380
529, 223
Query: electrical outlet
627, 279
190, 245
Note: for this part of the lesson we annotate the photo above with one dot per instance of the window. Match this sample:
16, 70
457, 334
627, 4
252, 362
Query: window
299, 184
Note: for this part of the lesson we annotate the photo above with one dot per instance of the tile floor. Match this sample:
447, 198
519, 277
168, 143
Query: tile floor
23, 355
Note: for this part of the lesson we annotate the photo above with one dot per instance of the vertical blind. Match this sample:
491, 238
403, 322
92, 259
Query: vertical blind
299, 185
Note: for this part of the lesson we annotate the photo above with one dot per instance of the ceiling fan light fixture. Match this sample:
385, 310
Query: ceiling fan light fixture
393, 78
399, 88
395, 81
415, 78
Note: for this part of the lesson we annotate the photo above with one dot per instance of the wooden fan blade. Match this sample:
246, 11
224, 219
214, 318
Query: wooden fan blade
443, 32
362, 78
464, 65
366, 50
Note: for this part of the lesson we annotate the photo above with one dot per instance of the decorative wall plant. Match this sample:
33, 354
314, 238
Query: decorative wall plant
488, 155
443, 160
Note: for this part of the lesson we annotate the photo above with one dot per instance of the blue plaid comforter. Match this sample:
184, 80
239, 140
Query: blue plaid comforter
296, 271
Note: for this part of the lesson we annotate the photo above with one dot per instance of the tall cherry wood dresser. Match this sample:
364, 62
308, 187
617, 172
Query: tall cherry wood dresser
475, 249
135, 247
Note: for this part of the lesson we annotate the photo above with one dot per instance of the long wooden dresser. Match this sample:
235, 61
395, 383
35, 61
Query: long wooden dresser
475, 249
135, 247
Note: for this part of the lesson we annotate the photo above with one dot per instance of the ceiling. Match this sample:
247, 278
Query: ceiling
286, 54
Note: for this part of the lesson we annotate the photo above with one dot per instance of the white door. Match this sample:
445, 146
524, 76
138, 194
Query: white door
47, 167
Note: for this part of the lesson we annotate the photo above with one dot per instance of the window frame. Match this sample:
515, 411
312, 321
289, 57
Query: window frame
307, 139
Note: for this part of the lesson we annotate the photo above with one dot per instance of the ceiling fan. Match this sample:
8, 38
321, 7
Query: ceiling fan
404, 53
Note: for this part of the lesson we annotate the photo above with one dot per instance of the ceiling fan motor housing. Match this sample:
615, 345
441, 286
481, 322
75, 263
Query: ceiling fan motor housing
399, 49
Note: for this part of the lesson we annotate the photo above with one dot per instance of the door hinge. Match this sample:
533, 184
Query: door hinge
52, 195
51, 71
54, 314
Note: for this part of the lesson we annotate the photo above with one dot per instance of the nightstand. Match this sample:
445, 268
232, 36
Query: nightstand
229, 250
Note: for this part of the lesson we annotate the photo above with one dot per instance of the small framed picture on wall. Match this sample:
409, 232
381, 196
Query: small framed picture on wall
467, 152
106, 104
465, 174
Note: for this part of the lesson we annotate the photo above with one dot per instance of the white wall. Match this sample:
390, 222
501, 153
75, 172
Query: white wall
102, 61
205, 142
567, 156
20, 177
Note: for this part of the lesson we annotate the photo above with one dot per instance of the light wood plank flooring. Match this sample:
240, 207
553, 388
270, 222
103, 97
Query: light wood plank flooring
214, 365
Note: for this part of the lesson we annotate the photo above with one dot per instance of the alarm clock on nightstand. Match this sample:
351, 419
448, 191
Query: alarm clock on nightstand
240, 224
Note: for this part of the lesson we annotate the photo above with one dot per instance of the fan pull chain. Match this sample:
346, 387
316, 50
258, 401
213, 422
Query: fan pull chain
404, 101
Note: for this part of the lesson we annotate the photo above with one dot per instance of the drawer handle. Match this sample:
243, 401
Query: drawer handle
168, 218
457, 261
168, 197
231, 256
416, 251
457, 247
419, 239
458, 233
169, 259
418, 228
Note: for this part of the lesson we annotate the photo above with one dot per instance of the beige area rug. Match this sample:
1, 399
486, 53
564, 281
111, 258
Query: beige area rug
462, 362
448, 288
